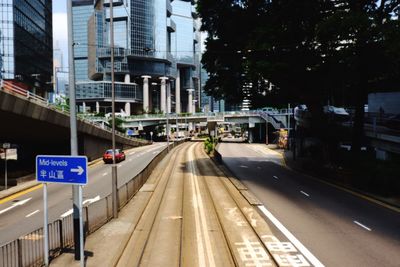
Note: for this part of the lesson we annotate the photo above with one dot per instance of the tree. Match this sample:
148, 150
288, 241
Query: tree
311, 51
361, 41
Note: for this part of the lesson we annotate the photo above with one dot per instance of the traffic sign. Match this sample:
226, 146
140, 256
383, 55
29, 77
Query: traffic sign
62, 169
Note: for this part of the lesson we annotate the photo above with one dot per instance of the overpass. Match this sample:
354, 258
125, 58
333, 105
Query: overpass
36, 126
276, 120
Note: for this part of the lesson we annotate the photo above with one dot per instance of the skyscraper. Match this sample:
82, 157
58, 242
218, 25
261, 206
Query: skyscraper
156, 55
27, 42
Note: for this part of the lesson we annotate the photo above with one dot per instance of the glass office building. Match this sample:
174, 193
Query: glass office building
27, 43
155, 49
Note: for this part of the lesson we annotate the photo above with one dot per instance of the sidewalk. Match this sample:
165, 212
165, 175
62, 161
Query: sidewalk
105, 246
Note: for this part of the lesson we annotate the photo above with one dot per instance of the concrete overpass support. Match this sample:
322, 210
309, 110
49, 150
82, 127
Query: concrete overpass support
163, 98
178, 93
128, 108
168, 86
146, 93
190, 100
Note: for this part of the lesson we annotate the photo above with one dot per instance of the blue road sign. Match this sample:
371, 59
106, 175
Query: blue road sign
62, 169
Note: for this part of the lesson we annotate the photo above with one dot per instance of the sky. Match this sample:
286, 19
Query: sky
60, 34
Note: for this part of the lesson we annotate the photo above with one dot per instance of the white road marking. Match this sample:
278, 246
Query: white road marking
32, 213
304, 193
129, 159
200, 216
244, 166
104, 174
19, 203
65, 214
91, 200
275, 177
291, 237
119, 165
131, 153
363, 226
155, 152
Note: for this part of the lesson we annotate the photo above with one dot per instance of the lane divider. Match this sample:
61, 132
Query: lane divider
291, 237
32, 213
304, 193
363, 226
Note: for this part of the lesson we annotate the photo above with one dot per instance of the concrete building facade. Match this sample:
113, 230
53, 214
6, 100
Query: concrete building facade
156, 55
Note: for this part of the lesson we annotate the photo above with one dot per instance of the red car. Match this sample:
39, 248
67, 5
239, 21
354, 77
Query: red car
119, 156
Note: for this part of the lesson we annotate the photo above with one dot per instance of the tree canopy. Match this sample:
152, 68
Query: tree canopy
312, 52
309, 51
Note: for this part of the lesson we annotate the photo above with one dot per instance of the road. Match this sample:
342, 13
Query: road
196, 216
340, 229
24, 214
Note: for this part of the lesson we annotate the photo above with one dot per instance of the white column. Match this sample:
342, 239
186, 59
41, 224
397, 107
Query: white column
168, 86
163, 98
127, 78
178, 93
146, 93
84, 107
128, 108
190, 100
97, 107
194, 106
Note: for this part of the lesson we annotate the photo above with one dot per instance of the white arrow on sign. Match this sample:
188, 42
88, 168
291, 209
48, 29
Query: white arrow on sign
79, 170
19, 203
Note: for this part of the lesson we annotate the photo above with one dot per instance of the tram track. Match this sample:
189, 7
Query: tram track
198, 217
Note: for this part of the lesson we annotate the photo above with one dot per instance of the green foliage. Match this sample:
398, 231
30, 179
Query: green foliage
209, 144
118, 124
310, 52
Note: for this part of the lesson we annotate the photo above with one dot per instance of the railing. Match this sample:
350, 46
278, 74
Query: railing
14, 89
28, 250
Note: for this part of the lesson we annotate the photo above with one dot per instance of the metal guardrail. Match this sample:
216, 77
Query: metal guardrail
15, 90
28, 249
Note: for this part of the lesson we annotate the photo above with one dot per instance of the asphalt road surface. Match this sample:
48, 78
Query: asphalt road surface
338, 228
24, 214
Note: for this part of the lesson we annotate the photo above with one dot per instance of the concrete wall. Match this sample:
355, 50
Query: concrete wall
43, 130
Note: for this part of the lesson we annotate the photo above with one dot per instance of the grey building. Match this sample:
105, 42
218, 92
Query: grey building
27, 43
156, 55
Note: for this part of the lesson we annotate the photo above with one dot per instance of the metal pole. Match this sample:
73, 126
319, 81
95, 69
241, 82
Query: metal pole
73, 124
266, 129
5, 168
288, 124
81, 248
177, 127
167, 130
113, 167
45, 226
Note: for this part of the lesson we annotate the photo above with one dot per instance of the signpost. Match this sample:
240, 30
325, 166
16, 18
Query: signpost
5, 146
63, 170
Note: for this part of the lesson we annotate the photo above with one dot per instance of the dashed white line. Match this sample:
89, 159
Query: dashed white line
104, 174
291, 237
129, 159
131, 153
243, 166
304, 193
275, 177
32, 213
363, 226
